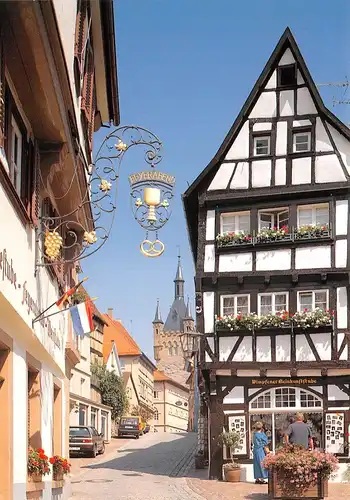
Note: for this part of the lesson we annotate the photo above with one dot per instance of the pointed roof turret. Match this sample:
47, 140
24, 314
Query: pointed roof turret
158, 316
188, 310
179, 281
179, 274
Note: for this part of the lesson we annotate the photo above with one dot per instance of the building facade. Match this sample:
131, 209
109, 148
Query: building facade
46, 130
136, 368
269, 229
170, 403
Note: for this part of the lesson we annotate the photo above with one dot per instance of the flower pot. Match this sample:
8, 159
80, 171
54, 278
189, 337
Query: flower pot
276, 479
58, 476
36, 477
232, 475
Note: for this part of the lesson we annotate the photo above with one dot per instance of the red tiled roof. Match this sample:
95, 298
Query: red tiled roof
125, 344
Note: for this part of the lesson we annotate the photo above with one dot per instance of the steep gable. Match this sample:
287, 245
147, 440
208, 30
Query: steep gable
261, 153
126, 345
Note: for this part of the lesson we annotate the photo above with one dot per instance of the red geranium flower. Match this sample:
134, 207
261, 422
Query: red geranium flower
52, 460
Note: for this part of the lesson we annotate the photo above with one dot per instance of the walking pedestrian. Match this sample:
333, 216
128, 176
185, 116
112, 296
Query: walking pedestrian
260, 449
299, 433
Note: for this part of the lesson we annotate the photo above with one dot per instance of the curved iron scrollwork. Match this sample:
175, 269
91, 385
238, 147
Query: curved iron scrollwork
79, 233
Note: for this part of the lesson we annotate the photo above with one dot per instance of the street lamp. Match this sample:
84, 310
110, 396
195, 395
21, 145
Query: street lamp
190, 343
76, 235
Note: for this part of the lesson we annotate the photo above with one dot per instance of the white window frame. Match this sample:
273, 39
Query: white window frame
275, 214
234, 296
313, 208
273, 295
313, 298
14, 166
259, 138
236, 216
298, 133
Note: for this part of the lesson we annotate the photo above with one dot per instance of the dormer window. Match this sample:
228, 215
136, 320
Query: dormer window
262, 145
301, 141
287, 76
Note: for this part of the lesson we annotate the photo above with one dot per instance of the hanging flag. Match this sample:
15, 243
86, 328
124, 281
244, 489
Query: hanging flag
68, 293
81, 316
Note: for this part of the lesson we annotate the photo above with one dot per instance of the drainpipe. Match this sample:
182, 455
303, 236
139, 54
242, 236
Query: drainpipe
164, 404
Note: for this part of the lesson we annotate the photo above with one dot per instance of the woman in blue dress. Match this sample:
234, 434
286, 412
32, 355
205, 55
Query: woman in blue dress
260, 441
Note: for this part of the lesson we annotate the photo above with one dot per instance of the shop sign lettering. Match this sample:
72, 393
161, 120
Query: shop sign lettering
284, 381
7, 273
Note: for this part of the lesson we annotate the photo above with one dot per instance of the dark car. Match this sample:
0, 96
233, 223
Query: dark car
85, 440
146, 429
130, 426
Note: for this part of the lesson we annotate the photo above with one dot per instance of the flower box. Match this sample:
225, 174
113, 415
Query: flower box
35, 477
318, 491
58, 476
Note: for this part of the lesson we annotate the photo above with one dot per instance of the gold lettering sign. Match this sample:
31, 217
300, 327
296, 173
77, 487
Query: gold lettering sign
152, 175
284, 381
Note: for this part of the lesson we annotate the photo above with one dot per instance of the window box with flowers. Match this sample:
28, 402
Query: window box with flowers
311, 231
281, 319
296, 473
268, 235
60, 467
38, 465
233, 238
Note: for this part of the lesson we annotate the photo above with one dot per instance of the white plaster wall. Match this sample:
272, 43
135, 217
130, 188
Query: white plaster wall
210, 341
272, 83
313, 257
306, 105
341, 217
341, 249
335, 393
208, 309
323, 344
263, 349
344, 354
235, 262
240, 148
283, 348
322, 139
245, 351
240, 179
301, 123
248, 373
300, 79
226, 345
252, 391
303, 351
20, 252
342, 307
273, 260
280, 172
261, 173
278, 373
262, 126
301, 170
65, 423
287, 58
281, 138
328, 169
20, 412
342, 144
287, 102
209, 259
210, 226
222, 177
265, 106
236, 396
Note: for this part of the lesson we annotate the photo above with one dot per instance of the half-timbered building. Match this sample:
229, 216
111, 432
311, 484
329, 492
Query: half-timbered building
269, 230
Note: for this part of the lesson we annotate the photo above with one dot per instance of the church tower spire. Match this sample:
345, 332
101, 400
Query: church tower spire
179, 281
157, 316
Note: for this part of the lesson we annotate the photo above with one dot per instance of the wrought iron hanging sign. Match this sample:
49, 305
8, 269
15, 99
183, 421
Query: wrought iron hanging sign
74, 236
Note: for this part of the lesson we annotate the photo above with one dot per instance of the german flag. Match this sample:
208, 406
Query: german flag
68, 293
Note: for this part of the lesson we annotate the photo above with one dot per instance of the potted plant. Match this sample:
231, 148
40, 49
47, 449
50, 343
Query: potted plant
232, 470
38, 464
199, 459
60, 467
295, 472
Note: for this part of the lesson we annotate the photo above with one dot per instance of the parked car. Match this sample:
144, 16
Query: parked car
146, 429
85, 440
130, 426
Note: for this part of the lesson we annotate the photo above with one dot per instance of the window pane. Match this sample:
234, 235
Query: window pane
228, 306
305, 301
283, 218
262, 146
322, 216
228, 223
265, 304
266, 221
321, 300
305, 216
243, 223
281, 302
301, 142
242, 305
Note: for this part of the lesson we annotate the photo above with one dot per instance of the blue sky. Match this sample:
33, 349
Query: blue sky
185, 68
